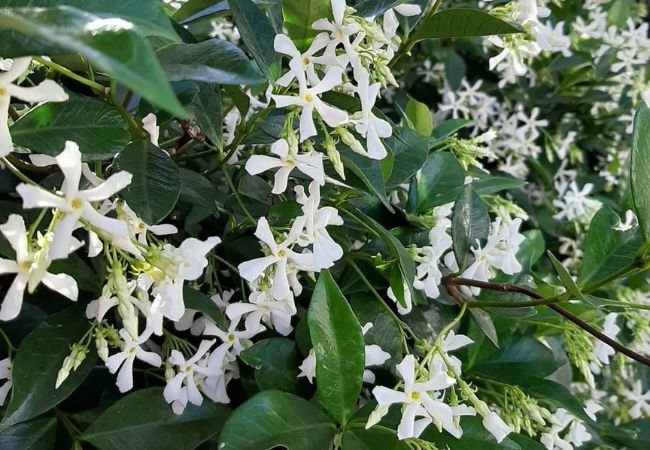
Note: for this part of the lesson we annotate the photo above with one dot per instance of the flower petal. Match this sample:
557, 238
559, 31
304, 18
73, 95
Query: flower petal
36, 197
69, 161
257, 164
111, 186
48, 90
15, 232
13, 300
62, 283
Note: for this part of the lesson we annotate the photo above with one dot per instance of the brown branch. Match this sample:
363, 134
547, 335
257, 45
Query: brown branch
451, 282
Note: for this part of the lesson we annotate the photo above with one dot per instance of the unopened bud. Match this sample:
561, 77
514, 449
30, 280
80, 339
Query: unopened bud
335, 157
102, 346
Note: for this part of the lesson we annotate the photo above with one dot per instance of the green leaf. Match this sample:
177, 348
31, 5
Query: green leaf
485, 323
119, 50
397, 250
299, 15
148, 15
372, 8
203, 101
461, 22
420, 116
369, 173
274, 418
634, 435
339, 348
37, 363
475, 437
198, 9
211, 61
565, 277
606, 250
98, 128
554, 393
449, 127
516, 361
198, 190
258, 35
275, 361
440, 174
384, 332
144, 420
410, 152
470, 225
640, 170
198, 301
156, 183
38, 434
372, 439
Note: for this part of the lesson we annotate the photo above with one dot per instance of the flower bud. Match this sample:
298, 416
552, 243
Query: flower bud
102, 345
334, 156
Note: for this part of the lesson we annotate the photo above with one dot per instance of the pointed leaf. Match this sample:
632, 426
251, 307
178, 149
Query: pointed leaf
462, 22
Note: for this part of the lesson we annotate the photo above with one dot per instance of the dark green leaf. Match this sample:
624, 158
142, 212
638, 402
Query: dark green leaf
38, 434
144, 420
156, 183
372, 439
203, 101
470, 225
449, 127
461, 22
384, 332
634, 435
372, 8
299, 15
98, 128
198, 190
554, 393
258, 35
410, 152
440, 174
640, 170
275, 362
212, 61
339, 348
118, 50
369, 172
475, 437
274, 418
606, 250
37, 363
484, 322
198, 301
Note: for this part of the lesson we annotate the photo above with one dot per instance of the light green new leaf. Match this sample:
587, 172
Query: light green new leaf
39, 358
143, 420
114, 47
212, 61
462, 22
273, 418
258, 35
640, 170
97, 127
565, 277
607, 251
339, 348
420, 116
299, 15
156, 183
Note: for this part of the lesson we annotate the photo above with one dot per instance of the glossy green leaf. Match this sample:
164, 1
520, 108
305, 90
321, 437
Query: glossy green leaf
198, 190
384, 332
156, 183
38, 361
420, 116
203, 102
372, 439
339, 348
485, 323
449, 127
144, 420
275, 361
197, 9
258, 35
372, 8
274, 418
38, 434
118, 50
470, 225
409, 151
198, 301
475, 437
565, 277
98, 128
212, 61
369, 173
148, 15
640, 170
606, 250
633, 436
440, 174
460, 23
299, 15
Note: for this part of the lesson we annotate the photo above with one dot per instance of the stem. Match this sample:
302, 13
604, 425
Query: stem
18, 173
70, 74
232, 268
134, 127
10, 346
558, 309
238, 198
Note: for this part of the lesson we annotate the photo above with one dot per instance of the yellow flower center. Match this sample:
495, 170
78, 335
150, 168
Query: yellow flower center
24, 266
309, 98
3, 91
76, 204
306, 61
282, 253
231, 337
415, 396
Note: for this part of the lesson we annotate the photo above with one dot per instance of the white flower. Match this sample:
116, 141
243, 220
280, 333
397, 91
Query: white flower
310, 165
408, 10
139, 228
630, 222
149, 123
308, 367
366, 123
340, 31
316, 220
496, 426
640, 400
263, 308
575, 204
503, 245
428, 274
76, 204
233, 340
5, 374
553, 39
308, 100
182, 387
30, 268
407, 299
124, 359
418, 399
374, 356
575, 433
47, 90
281, 255
453, 342
283, 44
603, 351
